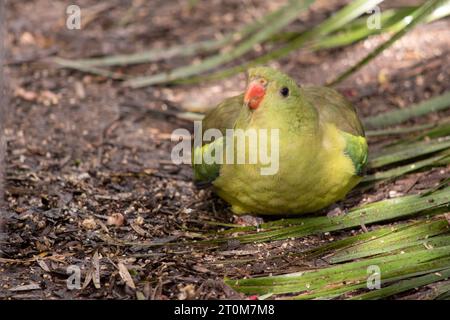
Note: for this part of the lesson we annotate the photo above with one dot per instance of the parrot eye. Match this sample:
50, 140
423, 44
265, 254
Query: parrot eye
284, 91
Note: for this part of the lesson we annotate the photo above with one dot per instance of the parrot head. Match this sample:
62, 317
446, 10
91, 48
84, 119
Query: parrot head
275, 99
269, 87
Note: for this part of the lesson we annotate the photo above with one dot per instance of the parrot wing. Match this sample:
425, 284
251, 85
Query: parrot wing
222, 117
356, 148
333, 108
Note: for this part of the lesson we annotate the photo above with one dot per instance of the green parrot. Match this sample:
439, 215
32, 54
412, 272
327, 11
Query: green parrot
321, 145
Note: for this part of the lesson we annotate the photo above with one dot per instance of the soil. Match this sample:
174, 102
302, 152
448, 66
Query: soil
88, 177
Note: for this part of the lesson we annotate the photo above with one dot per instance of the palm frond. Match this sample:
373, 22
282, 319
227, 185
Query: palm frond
404, 26
398, 153
380, 211
288, 14
349, 276
340, 19
435, 104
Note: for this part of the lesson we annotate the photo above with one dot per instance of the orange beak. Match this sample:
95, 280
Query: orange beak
255, 93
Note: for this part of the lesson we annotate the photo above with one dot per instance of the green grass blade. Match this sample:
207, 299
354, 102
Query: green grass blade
363, 239
154, 54
375, 212
438, 131
410, 151
385, 119
399, 131
441, 130
347, 242
358, 31
416, 17
334, 23
187, 50
321, 37
396, 240
441, 291
290, 13
404, 285
392, 267
438, 160
94, 70
344, 291
390, 19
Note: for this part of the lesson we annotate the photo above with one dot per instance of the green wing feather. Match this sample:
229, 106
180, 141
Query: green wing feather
334, 108
203, 171
357, 149
222, 117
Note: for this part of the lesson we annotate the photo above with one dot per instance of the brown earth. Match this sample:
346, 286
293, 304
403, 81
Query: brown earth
84, 152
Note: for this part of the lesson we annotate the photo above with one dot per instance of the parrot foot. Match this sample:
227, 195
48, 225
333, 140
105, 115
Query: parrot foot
335, 210
248, 220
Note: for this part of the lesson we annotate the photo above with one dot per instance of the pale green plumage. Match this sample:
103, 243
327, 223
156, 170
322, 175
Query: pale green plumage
322, 149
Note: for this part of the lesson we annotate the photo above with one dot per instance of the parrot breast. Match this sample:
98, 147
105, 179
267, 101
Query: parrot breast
314, 172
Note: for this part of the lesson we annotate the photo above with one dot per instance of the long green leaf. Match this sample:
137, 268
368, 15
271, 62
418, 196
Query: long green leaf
348, 241
392, 267
290, 12
390, 19
411, 151
94, 70
375, 212
435, 104
153, 55
413, 235
334, 23
404, 285
178, 50
438, 160
399, 131
416, 17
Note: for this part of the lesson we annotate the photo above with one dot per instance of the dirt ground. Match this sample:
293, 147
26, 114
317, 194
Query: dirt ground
88, 170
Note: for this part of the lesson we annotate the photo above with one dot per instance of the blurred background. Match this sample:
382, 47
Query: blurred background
96, 89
